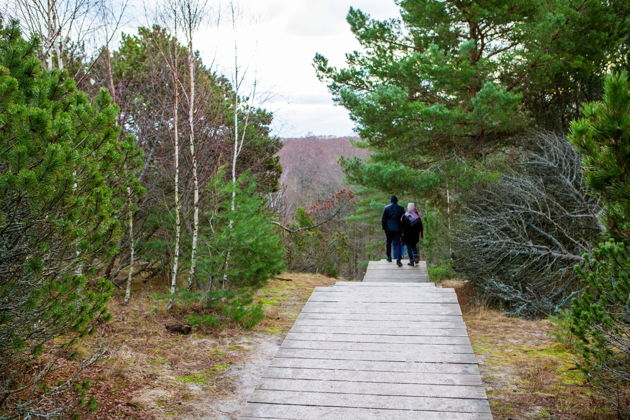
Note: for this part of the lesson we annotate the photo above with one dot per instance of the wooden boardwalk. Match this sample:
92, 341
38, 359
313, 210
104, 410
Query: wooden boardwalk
391, 347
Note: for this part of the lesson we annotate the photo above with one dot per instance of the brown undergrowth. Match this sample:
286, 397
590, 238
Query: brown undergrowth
150, 373
526, 372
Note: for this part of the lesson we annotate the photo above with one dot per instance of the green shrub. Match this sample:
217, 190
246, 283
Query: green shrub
441, 272
240, 248
64, 174
245, 313
226, 305
202, 320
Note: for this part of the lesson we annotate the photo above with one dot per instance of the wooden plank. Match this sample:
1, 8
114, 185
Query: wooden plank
367, 376
367, 311
371, 401
451, 332
376, 338
411, 271
403, 309
356, 291
373, 388
370, 323
376, 356
388, 306
360, 365
382, 347
350, 291
379, 317
309, 412
381, 278
383, 284
378, 299
367, 289
385, 263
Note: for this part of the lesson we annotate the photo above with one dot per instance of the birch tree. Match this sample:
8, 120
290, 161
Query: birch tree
192, 16
57, 22
170, 15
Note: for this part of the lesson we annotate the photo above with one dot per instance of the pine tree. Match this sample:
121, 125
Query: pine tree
256, 250
600, 318
63, 184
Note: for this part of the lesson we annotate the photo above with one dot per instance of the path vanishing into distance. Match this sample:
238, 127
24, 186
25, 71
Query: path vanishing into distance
393, 346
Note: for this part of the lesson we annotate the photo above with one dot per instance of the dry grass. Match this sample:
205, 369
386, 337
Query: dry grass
151, 373
526, 372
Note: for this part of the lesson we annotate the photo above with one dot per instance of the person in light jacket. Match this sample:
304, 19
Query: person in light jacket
412, 232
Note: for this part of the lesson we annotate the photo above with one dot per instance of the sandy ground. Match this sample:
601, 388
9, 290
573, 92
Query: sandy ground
245, 376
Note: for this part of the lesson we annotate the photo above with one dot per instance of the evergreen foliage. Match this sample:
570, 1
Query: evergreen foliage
602, 137
445, 91
64, 174
255, 250
600, 317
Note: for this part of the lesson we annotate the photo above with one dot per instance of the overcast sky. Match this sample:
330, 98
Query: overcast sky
277, 40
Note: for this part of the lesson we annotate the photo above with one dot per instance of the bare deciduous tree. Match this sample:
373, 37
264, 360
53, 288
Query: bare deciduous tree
522, 235
56, 22
192, 15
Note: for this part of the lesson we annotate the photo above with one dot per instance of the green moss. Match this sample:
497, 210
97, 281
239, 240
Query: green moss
156, 361
217, 354
235, 347
218, 368
269, 302
273, 330
194, 378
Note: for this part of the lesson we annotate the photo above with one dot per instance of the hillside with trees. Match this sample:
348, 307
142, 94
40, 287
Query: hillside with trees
310, 168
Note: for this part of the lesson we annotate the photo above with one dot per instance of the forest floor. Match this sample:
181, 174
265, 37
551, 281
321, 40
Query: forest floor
150, 373
526, 372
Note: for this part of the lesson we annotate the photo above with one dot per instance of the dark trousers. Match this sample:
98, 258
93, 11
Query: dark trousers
413, 252
393, 238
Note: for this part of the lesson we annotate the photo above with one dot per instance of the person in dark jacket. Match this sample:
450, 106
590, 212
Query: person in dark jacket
412, 231
391, 222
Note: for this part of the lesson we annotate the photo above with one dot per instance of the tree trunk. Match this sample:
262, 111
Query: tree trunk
131, 246
171, 298
112, 89
191, 123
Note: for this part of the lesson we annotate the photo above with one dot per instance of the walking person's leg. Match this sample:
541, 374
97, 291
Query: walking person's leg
388, 246
410, 248
397, 248
416, 254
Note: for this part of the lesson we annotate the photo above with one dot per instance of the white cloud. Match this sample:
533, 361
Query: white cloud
277, 40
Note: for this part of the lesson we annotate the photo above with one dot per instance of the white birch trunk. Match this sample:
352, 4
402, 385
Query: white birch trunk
51, 31
171, 298
191, 123
131, 246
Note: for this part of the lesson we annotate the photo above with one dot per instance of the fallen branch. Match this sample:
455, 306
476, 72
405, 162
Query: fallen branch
305, 228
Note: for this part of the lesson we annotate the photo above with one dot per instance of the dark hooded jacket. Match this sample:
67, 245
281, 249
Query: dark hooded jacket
391, 217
